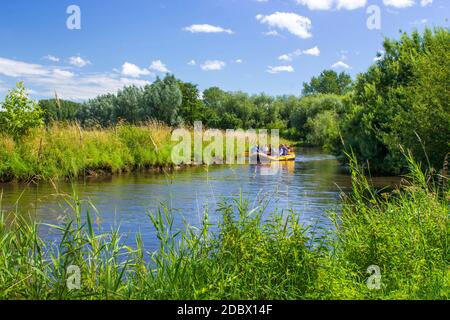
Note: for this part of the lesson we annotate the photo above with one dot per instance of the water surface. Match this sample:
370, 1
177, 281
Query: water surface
311, 186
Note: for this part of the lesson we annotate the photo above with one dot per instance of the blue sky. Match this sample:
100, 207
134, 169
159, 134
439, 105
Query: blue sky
270, 46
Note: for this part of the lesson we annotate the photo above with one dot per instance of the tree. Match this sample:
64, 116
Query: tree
309, 107
323, 130
20, 114
98, 111
162, 100
192, 108
401, 102
328, 82
128, 104
59, 110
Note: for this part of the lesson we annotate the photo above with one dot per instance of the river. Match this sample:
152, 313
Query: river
310, 187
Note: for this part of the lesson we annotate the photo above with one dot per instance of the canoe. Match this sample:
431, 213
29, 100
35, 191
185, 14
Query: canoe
289, 157
264, 157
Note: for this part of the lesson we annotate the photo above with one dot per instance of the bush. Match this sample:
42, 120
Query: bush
402, 101
20, 114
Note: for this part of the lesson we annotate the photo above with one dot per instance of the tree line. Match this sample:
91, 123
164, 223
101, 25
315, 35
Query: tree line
400, 103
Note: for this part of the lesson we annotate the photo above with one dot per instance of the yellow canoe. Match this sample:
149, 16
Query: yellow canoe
289, 157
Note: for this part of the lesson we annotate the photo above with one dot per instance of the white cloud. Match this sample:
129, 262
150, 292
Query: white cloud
239, 61
78, 62
399, 3
51, 58
90, 86
213, 65
425, 3
285, 57
13, 68
132, 70
192, 63
46, 80
158, 66
207, 28
312, 52
63, 73
279, 69
317, 4
271, 33
340, 65
290, 56
292, 22
333, 4
351, 4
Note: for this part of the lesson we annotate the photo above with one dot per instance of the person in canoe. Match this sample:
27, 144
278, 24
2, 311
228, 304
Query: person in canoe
284, 150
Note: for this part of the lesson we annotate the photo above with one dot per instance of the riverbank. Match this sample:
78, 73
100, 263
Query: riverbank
67, 151
250, 256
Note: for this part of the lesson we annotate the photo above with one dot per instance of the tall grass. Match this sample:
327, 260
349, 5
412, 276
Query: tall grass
250, 255
66, 150
405, 233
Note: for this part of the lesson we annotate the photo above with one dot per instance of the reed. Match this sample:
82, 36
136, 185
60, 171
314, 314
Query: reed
250, 254
68, 151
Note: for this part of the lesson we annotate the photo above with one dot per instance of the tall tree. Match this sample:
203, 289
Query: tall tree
191, 107
59, 110
128, 104
402, 101
328, 82
162, 100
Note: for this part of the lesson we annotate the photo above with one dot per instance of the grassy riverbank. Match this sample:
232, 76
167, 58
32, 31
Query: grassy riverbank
68, 151
65, 151
405, 233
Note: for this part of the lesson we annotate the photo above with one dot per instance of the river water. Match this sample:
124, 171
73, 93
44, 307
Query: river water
310, 187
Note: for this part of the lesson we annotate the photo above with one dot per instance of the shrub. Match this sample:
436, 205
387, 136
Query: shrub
21, 114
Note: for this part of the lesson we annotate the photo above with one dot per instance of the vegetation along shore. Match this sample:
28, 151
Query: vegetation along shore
393, 119
251, 254
400, 102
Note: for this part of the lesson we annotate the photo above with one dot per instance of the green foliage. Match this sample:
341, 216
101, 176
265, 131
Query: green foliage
400, 102
21, 114
405, 233
324, 130
99, 111
59, 110
248, 255
317, 119
159, 101
162, 100
403, 101
192, 108
328, 82
128, 105
68, 151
